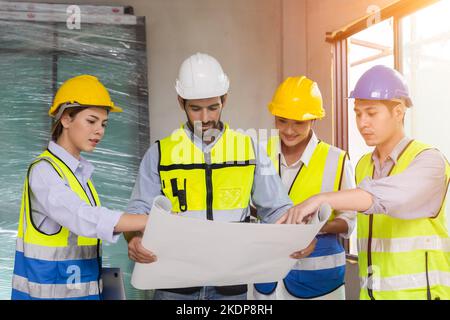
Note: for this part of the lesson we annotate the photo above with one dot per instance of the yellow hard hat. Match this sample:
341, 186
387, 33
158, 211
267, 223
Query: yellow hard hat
83, 90
297, 98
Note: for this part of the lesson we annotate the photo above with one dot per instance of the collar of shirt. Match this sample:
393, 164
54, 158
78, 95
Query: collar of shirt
81, 168
199, 142
395, 153
307, 153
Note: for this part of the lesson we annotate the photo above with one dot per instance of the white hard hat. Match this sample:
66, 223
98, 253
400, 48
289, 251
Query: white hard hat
201, 77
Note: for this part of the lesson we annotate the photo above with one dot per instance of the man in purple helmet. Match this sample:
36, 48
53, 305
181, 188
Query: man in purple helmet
403, 241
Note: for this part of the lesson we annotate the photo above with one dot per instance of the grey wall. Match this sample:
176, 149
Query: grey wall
243, 35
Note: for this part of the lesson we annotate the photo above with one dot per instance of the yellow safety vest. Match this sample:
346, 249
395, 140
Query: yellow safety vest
324, 270
402, 259
215, 185
60, 265
323, 174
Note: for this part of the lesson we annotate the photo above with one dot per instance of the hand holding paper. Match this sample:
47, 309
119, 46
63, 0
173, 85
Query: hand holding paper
138, 253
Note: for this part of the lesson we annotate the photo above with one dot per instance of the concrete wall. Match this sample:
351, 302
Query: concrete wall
243, 35
294, 38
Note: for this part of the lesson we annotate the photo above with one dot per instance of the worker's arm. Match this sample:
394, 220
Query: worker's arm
417, 192
335, 226
344, 200
399, 196
344, 222
131, 222
146, 188
269, 196
53, 199
148, 183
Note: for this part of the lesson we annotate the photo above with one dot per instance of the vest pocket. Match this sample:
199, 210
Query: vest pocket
229, 197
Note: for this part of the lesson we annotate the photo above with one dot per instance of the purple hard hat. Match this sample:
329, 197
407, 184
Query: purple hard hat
381, 83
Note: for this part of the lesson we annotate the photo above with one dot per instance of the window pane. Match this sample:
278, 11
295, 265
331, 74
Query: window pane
426, 65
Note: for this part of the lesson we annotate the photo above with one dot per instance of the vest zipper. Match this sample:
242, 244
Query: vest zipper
369, 259
209, 195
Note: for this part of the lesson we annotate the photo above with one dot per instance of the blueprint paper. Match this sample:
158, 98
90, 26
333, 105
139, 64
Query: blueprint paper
193, 252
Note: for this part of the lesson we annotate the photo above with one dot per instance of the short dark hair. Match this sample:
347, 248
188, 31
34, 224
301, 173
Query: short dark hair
222, 99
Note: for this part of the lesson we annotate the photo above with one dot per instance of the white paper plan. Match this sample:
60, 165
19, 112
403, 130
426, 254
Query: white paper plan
193, 252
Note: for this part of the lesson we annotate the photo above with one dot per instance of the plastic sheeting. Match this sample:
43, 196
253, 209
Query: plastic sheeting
36, 57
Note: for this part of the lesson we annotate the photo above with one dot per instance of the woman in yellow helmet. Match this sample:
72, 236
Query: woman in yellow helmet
61, 225
309, 166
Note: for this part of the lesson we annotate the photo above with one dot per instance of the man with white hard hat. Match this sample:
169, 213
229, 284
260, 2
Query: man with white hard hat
207, 171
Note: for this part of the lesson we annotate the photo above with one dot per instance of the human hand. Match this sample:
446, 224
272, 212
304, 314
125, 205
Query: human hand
305, 252
303, 212
138, 253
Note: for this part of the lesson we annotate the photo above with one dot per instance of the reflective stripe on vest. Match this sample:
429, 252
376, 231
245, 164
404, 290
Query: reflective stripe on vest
46, 262
34, 251
323, 262
411, 252
215, 185
323, 270
406, 244
55, 291
410, 281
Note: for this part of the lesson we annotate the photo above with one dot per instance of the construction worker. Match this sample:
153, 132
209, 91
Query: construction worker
403, 242
207, 170
309, 166
58, 251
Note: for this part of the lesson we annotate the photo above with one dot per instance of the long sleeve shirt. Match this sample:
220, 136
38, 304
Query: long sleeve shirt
417, 192
289, 172
54, 204
268, 194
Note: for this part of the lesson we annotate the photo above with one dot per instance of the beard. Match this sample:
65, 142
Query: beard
207, 131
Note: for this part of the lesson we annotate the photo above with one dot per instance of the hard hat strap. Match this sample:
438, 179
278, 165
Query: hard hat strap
65, 106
